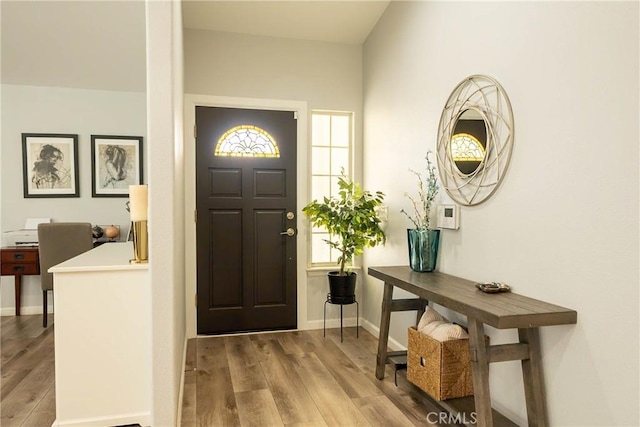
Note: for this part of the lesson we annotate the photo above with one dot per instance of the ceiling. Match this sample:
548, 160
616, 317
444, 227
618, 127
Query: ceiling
101, 44
77, 44
348, 22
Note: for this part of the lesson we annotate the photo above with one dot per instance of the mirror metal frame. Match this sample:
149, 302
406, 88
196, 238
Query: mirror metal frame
487, 97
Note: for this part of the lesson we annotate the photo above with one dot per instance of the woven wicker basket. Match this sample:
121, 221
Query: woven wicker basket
441, 369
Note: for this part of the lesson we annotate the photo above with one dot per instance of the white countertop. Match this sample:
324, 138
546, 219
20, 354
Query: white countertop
106, 257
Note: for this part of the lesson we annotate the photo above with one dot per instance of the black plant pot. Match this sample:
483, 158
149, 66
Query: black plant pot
342, 288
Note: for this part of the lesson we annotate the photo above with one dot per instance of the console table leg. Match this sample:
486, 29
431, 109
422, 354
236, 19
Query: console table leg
480, 371
18, 288
383, 338
533, 379
421, 311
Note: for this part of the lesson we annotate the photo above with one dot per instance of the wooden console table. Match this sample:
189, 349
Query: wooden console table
501, 310
19, 261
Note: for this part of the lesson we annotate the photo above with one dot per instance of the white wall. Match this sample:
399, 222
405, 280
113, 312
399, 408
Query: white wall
324, 75
564, 225
39, 109
166, 231
79, 44
327, 75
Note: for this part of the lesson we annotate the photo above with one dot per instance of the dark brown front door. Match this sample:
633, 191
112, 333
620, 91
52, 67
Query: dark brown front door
245, 201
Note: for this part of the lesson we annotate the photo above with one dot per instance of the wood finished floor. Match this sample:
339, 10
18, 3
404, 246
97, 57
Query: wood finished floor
296, 378
27, 392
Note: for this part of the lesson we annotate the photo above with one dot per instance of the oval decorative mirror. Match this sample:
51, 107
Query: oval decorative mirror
475, 140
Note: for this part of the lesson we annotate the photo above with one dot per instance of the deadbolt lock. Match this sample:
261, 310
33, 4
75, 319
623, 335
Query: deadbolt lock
290, 215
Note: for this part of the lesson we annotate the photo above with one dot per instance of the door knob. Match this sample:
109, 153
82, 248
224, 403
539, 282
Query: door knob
290, 232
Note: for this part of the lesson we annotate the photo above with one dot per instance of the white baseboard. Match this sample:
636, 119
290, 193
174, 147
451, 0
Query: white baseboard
142, 418
375, 331
181, 391
332, 323
31, 309
350, 322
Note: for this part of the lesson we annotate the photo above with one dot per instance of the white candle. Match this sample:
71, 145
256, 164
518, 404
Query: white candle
138, 202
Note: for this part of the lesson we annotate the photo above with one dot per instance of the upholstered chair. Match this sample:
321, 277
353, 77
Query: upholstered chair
59, 241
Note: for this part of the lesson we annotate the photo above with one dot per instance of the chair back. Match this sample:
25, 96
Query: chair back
58, 242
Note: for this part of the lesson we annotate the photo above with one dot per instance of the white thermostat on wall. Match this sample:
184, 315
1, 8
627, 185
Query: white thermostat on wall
449, 216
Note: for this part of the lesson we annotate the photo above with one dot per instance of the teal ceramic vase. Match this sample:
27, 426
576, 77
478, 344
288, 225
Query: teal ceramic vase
423, 249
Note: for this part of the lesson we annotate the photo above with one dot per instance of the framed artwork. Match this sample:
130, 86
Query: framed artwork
116, 163
50, 165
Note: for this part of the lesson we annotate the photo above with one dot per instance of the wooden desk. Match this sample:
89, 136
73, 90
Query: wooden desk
502, 311
19, 261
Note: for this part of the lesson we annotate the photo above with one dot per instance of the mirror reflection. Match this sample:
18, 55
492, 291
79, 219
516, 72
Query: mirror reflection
469, 141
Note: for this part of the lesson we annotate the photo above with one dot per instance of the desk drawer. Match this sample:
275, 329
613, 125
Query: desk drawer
16, 255
10, 269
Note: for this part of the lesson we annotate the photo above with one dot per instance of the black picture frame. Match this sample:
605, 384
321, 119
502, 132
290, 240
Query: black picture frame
50, 165
116, 163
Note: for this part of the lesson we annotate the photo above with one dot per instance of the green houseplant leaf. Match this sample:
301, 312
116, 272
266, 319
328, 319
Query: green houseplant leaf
350, 218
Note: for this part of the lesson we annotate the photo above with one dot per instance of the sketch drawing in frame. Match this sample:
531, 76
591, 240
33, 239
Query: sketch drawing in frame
116, 163
50, 165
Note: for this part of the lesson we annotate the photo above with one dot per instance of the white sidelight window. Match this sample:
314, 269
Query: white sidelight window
331, 155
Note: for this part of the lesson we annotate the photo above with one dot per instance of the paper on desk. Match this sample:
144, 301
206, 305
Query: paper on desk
32, 223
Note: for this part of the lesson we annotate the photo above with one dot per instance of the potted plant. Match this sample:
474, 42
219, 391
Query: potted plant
352, 221
422, 239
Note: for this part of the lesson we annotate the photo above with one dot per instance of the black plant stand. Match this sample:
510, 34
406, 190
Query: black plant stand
346, 300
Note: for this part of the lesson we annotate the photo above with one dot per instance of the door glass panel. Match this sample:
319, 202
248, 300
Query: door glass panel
465, 147
339, 161
335, 187
320, 247
321, 129
340, 132
321, 187
320, 159
247, 141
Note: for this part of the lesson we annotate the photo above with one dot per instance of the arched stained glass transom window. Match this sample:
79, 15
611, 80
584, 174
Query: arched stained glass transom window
466, 148
247, 141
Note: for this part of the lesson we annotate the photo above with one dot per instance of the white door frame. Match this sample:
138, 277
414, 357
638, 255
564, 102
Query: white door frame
191, 101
